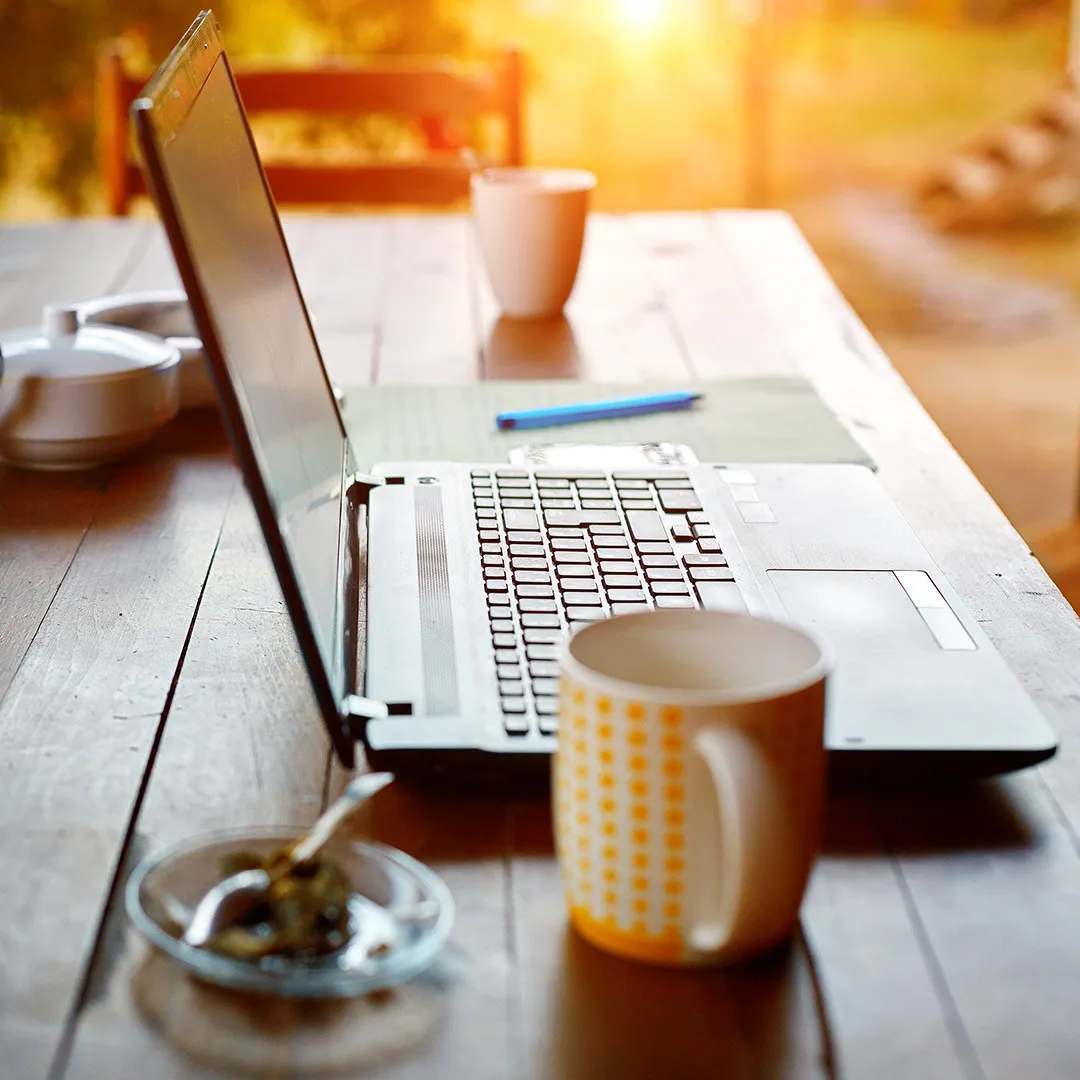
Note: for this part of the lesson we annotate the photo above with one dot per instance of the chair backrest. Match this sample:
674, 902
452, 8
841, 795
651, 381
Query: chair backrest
433, 95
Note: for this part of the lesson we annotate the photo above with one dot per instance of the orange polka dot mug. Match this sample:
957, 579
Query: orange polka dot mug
688, 782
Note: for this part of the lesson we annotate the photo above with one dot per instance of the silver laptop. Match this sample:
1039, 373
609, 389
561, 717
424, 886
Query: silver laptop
465, 577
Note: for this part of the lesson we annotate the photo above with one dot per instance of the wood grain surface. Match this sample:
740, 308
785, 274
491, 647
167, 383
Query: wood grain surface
150, 689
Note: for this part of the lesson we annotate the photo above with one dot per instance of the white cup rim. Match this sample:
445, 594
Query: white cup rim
674, 695
559, 180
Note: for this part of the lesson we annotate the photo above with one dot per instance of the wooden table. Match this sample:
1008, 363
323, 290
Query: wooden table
150, 689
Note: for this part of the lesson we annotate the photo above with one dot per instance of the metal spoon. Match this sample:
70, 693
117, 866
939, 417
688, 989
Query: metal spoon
230, 900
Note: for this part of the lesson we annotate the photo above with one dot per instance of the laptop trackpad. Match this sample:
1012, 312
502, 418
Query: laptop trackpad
871, 610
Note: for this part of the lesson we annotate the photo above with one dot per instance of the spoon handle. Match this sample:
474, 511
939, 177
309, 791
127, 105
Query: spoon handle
359, 791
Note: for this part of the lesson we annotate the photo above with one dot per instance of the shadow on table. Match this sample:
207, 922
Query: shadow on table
531, 349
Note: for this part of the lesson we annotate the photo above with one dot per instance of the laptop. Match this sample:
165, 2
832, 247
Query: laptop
465, 577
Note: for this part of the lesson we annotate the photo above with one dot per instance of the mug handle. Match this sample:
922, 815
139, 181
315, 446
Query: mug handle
741, 882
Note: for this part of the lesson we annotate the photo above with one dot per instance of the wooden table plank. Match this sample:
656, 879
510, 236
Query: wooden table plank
1004, 855
79, 720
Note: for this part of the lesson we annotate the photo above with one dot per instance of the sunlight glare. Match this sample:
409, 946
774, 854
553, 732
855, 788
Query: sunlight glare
641, 14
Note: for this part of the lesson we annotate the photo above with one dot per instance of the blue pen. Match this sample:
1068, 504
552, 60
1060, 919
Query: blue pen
594, 410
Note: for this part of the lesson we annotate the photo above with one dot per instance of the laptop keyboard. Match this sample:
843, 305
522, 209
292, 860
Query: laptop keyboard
563, 548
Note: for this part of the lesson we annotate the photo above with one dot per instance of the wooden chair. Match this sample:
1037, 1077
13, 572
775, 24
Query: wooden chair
433, 95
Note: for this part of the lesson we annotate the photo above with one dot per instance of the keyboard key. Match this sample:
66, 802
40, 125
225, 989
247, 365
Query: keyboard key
606, 530
479, 472
516, 504
557, 504
710, 573
535, 620
638, 504
682, 532
659, 560
647, 474
496, 602
565, 570
537, 636
621, 581
705, 560
484, 504
549, 725
624, 596
562, 530
698, 517
581, 517
646, 525
506, 656
547, 706
592, 482
571, 557
663, 573
515, 725
513, 705
669, 588
579, 585
545, 687
489, 535
492, 560
521, 536
675, 602
597, 504
704, 532
617, 566
528, 563
534, 550
674, 483
587, 599
584, 614
503, 641
551, 482
507, 671
568, 543
521, 519
541, 592
633, 485
720, 596
541, 652
495, 586
486, 515
544, 669
603, 542
531, 577
514, 482
652, 548
569, 474
576, 626
529, 604
516, 474
500, 621
627, 609
494, 572
707, 546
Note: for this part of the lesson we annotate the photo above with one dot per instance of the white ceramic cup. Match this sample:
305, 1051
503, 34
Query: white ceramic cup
531, 225
689, 782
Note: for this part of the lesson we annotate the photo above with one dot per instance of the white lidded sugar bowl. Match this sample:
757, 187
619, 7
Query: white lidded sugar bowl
72, 397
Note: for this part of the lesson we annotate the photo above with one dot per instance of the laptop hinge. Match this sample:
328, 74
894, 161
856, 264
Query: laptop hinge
360, 486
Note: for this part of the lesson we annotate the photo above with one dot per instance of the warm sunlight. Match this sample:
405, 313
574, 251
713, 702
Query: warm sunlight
641, 14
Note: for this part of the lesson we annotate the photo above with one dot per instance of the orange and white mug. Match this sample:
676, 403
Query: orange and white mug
688, 782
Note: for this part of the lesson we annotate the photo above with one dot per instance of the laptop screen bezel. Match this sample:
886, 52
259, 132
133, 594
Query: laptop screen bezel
157, 115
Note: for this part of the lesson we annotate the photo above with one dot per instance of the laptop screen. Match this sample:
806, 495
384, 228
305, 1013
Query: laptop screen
235, 247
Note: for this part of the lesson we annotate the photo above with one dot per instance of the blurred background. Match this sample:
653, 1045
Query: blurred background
930, 149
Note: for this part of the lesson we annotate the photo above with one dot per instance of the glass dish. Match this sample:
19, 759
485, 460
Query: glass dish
401, 914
